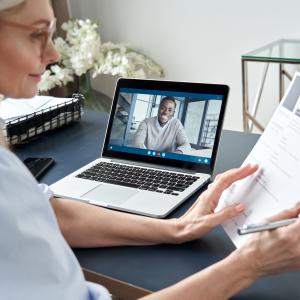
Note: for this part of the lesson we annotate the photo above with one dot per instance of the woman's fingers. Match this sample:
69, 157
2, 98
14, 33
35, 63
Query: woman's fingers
207, 202
225, 180
286, 214
225, 214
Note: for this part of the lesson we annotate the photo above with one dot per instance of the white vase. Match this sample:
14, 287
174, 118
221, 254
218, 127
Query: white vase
105, 84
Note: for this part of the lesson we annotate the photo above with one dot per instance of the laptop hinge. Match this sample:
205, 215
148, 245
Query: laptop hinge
149, 165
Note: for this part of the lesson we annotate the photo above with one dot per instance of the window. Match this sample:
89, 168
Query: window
211, 123
193, 120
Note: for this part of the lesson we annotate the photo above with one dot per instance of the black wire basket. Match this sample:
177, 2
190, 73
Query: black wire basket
23, 129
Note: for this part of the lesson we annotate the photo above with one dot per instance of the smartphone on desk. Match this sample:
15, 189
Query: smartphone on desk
38, 165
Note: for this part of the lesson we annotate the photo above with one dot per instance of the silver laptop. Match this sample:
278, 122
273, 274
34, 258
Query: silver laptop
160, 147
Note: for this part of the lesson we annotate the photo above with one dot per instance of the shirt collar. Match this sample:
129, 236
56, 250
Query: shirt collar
162, 127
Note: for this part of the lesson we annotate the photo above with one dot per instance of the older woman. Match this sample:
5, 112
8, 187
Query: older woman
36, 262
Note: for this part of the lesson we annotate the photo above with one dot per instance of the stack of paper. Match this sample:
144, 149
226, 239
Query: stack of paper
11, 109
275, 186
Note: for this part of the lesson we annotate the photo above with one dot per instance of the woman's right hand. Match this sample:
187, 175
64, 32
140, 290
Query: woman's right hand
276, 250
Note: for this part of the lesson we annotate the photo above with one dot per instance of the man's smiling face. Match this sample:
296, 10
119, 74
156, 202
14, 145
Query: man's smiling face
166, 111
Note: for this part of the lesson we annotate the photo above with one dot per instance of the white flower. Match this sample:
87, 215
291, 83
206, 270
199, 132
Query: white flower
82, 51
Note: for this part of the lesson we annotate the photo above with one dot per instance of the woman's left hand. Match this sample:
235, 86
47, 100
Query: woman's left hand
201, 218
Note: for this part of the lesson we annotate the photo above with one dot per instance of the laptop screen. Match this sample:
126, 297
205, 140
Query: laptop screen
165, 125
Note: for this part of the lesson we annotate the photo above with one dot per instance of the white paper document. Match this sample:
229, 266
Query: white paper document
276, 185
15, 108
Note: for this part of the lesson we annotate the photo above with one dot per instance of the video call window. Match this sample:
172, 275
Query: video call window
198, 116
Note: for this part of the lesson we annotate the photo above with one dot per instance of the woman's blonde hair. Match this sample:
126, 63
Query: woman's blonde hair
5, 13
3, 142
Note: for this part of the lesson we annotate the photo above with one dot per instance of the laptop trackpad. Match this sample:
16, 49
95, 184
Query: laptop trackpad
109, 194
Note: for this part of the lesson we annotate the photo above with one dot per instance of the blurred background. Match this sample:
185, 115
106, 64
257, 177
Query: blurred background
197, 40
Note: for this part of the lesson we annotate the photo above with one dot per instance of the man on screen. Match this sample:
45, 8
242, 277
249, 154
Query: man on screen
164, 132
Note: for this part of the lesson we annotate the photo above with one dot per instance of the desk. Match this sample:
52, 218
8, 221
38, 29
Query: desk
132, 271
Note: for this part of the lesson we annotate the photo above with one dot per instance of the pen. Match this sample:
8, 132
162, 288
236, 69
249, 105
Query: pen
251, 228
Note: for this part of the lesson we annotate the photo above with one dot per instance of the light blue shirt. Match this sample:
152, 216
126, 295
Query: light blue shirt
35, 260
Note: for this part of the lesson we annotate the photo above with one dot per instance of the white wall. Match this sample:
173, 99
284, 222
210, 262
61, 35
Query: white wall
197, 40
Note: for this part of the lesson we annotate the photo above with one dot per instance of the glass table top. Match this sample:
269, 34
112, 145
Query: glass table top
282, 51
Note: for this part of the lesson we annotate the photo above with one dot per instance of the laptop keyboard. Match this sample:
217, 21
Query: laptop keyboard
140, 178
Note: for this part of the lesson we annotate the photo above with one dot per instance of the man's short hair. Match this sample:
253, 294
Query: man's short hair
168, 98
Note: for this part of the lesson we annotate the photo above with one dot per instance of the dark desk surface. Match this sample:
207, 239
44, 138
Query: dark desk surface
153, 267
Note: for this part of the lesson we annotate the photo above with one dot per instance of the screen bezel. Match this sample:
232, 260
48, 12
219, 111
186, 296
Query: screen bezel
174, 86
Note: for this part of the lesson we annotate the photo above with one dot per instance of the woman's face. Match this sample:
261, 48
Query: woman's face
22, 60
